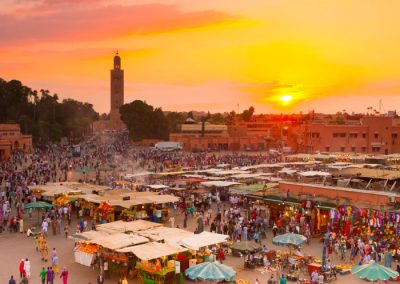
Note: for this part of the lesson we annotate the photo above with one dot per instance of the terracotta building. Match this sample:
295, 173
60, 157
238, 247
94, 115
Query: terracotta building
12, 139
370, 134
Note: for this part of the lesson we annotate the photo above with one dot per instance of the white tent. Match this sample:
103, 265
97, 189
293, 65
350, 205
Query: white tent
119, 240
157, 186
203, 239
314, 174
121, 226
153, 250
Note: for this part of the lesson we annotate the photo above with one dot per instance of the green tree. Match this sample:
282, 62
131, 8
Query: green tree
144, 122
247, 114
42, 115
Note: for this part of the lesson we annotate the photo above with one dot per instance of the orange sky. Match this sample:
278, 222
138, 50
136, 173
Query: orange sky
209, 54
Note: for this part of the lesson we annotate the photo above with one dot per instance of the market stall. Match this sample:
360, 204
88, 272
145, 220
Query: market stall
157, 263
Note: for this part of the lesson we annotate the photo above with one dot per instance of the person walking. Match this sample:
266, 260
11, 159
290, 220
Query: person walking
12, 280
27, 268
55, 264
43, 273
21, 268
100, 279
64, 276
49, 276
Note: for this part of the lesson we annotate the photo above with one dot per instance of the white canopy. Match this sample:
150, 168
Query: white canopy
314, 174
153, 250
203, 239
157, 186
287, 171
119, 240
166, 234
122, 226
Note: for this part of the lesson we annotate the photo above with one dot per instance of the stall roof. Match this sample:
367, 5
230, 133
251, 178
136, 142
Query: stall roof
119, 240
157, 186
190, 179
230, 172
121, 226
160, 199
261, 166
203, 239
249, 188
369, 173
287, 171
129, 176
153, 250
166, 234
314, 174
247, 176
219, 183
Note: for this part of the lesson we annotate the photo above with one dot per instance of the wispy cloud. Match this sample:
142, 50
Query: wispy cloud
60, 21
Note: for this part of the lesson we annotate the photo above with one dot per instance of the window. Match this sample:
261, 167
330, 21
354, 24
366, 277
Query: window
327, 149
353, 149
339, 134
376, 135
394, 135
353, 135
364, 135
376, 149
363, 149
315, 135
342, 149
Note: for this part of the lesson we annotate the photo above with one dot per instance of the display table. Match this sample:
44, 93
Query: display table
148, 275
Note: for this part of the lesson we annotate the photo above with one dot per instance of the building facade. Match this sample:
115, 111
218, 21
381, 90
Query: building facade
371, 135
11, 139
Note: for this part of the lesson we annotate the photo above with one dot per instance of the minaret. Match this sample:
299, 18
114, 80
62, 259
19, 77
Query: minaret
117, 92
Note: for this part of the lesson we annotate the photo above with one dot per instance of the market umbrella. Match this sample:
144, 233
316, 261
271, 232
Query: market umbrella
210, 271
289, 239
246, 246
37, 205
373, 271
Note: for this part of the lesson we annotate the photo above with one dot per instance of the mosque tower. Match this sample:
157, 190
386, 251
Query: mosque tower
117, 93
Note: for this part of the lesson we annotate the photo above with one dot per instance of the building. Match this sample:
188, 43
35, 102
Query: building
369, 135
117, 93
196, 137
12, 139
116, 99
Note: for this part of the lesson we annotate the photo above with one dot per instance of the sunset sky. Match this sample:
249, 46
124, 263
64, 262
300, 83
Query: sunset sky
277, 55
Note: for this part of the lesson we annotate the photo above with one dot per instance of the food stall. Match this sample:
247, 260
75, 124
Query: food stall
157, 263
198, 245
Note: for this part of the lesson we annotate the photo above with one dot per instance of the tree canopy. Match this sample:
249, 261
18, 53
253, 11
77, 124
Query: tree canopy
42, 115
144, 121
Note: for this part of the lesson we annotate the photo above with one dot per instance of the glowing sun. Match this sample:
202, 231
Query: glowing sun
286, 99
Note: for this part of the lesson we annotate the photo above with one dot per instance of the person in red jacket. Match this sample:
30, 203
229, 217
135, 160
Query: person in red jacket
21, 268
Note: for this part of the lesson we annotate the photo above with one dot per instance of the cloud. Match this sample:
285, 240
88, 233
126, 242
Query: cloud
62, 22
